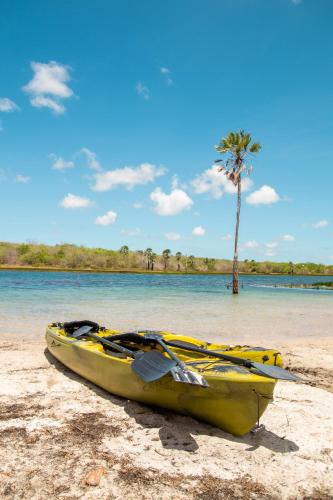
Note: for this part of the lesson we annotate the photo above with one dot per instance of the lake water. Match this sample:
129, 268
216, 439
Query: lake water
199, 305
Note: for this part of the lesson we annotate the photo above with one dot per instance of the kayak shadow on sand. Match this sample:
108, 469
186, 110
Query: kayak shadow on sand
178, 431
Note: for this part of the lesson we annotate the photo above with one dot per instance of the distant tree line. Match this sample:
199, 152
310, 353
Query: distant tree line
66, 256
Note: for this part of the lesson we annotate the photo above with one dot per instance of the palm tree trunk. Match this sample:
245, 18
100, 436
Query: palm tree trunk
235, 263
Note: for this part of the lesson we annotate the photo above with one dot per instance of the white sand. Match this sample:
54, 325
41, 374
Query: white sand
55, 428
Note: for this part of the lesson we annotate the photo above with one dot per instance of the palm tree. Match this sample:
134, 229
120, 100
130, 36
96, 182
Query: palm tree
153, 258
148, 253
178, 257
166, 256
238, 148
124, 250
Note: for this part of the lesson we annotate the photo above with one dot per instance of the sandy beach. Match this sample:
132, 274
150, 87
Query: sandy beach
63, 437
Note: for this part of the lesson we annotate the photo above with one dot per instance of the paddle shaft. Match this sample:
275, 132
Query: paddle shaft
115, 346
233, 359
172, 354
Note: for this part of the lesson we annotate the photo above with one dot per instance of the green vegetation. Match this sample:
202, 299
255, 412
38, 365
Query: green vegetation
65, 256
238, 149
324, 284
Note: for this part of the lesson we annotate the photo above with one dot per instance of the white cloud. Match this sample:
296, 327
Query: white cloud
7, 106
166, 73
24, 179
50, 79
266, 195
320, 224
174, 182
227, 237
41, 101
107, 219
170, 204
270, 253
143, 91
59, 163
251, 244
173, 236
215, 183
49, 86
92, 161
73, 201
137, 205
199, 231
271, 245
288, 237
127, 177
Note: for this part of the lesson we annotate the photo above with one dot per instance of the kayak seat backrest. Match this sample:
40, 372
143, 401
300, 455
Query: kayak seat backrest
182, 344
71, 326
130, 337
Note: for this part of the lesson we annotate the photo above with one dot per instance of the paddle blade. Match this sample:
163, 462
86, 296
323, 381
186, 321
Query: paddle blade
274, 372
188, 377
152, 365
83, 330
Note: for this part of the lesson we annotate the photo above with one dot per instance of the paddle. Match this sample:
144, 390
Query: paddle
180, 372
149, 366
152, 365
267, 370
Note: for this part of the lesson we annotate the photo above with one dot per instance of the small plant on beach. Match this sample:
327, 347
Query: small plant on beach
237, 148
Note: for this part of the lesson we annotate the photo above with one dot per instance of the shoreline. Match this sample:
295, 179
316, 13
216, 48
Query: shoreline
144, 271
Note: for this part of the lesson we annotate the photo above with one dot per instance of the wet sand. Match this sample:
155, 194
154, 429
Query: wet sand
60, 435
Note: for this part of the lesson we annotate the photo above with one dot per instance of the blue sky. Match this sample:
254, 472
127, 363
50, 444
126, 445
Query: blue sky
110, 112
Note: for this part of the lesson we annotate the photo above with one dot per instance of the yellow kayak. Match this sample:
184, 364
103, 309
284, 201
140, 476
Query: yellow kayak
235, 396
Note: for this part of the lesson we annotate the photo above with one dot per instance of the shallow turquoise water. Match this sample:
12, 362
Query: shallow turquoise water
193, 304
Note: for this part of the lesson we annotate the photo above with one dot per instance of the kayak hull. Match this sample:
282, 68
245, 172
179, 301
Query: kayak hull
234, 400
